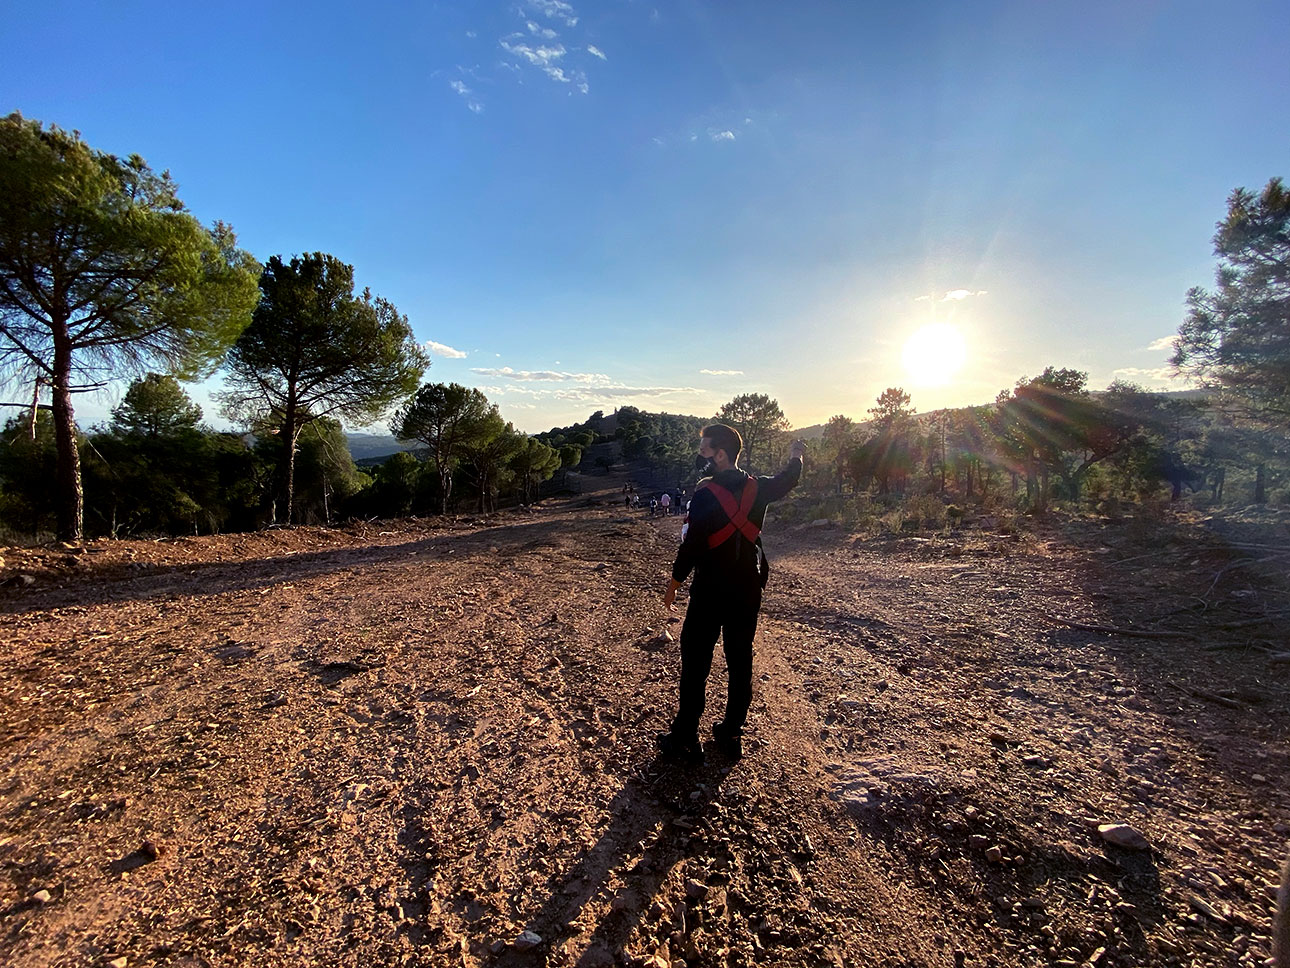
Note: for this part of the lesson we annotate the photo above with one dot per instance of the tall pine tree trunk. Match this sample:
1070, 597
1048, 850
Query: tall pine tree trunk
289, 455
71, 505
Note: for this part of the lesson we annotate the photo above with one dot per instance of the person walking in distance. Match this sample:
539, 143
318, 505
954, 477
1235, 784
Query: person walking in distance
722, 547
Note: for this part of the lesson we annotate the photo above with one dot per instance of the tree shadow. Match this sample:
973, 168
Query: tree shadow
108, 585
652, 822
652, 826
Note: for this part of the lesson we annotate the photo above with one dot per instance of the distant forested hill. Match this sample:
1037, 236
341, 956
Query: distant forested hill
364, 446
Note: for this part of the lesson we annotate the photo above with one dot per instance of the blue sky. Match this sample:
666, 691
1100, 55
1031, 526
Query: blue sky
584, 205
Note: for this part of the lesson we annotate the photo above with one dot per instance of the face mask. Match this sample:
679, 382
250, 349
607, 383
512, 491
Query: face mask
703, 465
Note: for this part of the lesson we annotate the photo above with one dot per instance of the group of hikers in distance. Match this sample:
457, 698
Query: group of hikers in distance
665, 502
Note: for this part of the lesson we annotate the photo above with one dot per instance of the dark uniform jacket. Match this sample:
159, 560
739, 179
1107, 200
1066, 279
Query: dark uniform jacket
736, 562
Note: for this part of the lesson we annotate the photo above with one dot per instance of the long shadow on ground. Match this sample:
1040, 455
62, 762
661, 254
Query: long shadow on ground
219, 578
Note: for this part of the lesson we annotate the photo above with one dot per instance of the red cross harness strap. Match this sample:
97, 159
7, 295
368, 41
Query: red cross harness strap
736, 512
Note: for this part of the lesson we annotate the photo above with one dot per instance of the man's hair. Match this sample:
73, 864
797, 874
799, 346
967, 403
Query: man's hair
724, 437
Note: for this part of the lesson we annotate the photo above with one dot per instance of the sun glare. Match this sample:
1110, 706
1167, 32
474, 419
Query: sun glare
933, 354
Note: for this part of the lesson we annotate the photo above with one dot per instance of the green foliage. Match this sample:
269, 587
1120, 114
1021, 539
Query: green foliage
488, 453
314, 349
1237, 337
325, 473
155, 406
155, 470
532, 463
761, 423
446, 417
396, 484
103, 272
892, 407
27, 503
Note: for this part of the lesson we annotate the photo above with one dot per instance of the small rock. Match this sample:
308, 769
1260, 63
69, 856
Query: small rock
1122, 835
696, 889
1207, 909
42, 896
527, 940
118, 962
1034, 759
994, 855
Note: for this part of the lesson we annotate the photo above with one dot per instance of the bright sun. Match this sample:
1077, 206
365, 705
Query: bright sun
933, 354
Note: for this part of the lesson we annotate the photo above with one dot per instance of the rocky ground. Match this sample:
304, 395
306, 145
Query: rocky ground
432, 743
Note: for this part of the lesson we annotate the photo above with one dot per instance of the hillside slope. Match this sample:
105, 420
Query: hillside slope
411, 745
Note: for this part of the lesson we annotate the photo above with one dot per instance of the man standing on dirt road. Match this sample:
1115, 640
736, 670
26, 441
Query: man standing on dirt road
723, 548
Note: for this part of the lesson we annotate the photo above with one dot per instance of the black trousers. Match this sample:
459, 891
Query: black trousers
729, 612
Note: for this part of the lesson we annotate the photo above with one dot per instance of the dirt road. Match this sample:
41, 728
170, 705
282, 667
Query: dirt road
433, 744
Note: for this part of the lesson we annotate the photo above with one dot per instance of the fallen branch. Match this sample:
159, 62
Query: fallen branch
1246, 623
1216, 698
1238, 564
1116, 630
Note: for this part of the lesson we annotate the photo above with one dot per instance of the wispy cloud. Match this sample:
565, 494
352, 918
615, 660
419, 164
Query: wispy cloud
580, 387
722, 372
541, 375
555, 9
721, 135
444, 350
468, 95
540, 56
1159, 375
1164, 343
535, 44
954, 295
618, 392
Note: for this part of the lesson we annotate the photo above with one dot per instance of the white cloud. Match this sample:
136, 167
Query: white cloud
540, 56
542, 375
595, 51
1160, 375
723, 372
576, 78
555, 9
721, 135
1164, 343
472, 102
617, 392
544, 32
444, 350
954, 295
471, 34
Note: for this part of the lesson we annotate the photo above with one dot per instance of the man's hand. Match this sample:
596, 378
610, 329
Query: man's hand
669, 596
798, 449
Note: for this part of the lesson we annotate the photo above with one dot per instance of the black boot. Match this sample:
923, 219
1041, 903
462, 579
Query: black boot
729, 741
684, 748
